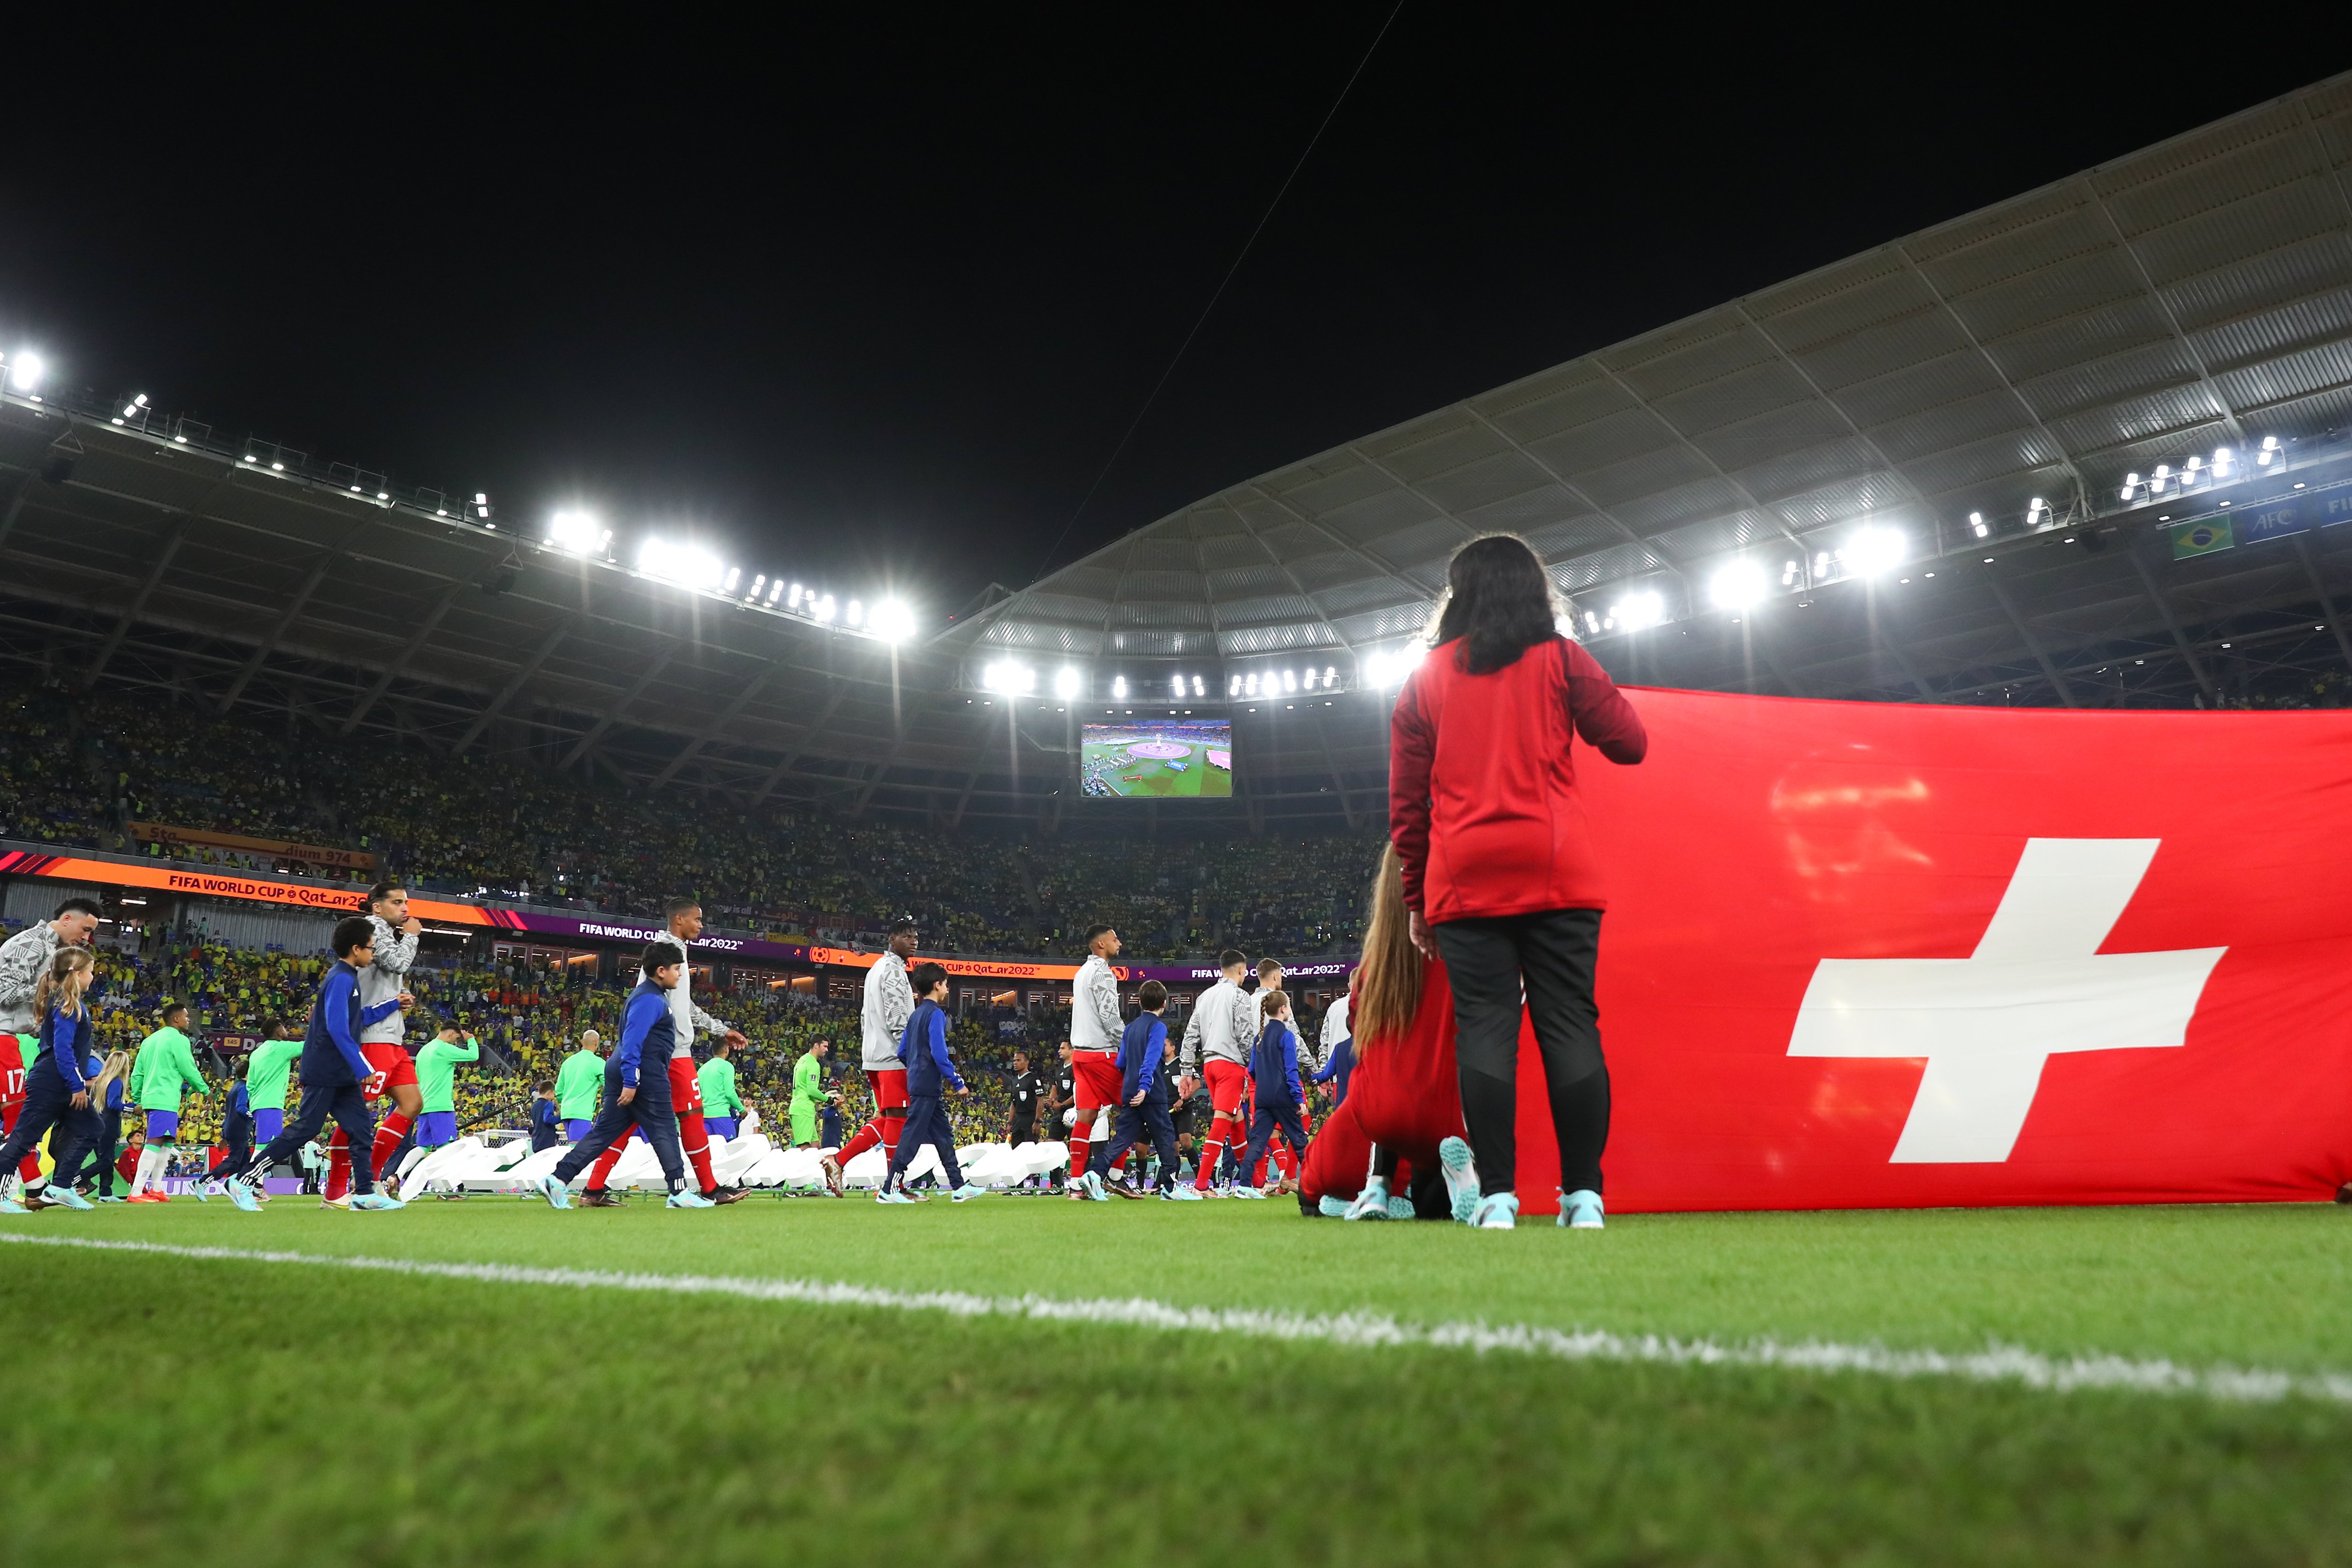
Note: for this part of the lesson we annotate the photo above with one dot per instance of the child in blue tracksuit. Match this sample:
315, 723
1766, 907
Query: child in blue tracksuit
334, 1073
1273, 1073
635, 1097
930, 1071
1142, 1100
57, 1086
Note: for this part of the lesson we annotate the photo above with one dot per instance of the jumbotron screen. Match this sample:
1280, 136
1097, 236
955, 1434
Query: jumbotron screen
1159, 757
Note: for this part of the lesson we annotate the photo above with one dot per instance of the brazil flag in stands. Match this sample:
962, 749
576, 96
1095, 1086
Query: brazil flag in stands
2201, 538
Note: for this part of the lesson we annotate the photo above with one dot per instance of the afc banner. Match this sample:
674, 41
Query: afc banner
1863, 955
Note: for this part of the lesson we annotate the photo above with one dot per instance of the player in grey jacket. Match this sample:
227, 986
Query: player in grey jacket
1224, 1027
27, 955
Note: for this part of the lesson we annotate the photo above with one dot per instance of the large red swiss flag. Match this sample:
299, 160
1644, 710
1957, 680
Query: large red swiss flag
1764, 835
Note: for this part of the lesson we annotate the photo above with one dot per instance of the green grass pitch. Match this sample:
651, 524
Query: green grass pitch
162, 1406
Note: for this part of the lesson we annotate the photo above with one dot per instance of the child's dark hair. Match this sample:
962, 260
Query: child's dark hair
351, 931
542, 1086
1151, 995
659, 955
924, 977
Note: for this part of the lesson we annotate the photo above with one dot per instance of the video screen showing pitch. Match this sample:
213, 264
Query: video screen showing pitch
1150, 759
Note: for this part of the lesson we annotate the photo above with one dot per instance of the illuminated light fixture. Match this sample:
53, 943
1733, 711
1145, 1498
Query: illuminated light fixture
734, 575
1290, 681
1876, 550
1118, 689
794, 602
1789, 571
2193, 472
1307, 680
775, 591
1592, 622
2033, 512
275, 466
892, 620
383, 495
758, 584
2270, 451
24, 370
1977, 521
823, 610
1387, 669
675, 561
1636, 612
1179, 684
1005, 675
2224, 460
2158, 480
1331, 676
1822, 563
1250, 686
576, 531
1738, 586
1200, 688
1234, 687
1065, 683
2131, 483
132, 409
856, 615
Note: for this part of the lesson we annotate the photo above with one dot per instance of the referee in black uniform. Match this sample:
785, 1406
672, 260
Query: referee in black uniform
1028, 1092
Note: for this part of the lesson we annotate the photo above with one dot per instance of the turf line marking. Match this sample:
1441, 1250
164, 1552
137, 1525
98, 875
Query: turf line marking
1996, 1363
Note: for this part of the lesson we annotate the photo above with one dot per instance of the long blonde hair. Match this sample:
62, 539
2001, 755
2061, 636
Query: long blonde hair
69, 971
117, 1063
1388, 986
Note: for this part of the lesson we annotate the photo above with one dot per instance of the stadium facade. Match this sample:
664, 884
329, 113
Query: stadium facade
2081, 447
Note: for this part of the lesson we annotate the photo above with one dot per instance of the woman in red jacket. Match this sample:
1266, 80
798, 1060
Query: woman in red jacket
1499, 871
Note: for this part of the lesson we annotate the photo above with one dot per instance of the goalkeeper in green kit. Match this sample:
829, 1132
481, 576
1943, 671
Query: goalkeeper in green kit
808, 1092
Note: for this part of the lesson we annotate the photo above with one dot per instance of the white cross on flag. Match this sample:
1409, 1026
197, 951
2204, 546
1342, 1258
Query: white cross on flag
2036, 985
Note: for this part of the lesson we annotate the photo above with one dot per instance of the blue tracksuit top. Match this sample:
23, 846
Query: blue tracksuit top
330, 1044
647, 1031
1273, 1065
924, 1048
65, 1066
1140, 1051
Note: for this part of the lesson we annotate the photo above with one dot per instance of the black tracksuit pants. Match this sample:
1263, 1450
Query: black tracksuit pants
651, 1112
1553, 953
340, 1103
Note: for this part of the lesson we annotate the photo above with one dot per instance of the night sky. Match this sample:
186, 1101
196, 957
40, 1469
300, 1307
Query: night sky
878, 302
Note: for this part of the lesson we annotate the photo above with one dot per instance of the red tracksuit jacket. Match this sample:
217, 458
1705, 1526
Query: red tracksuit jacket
1481, 791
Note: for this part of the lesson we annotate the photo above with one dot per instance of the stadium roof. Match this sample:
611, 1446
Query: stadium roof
2188, 299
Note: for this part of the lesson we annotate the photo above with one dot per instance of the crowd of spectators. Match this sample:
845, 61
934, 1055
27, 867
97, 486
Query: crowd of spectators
82, 769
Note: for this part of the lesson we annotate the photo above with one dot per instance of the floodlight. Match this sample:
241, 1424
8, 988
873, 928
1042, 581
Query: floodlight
2033, 512
25, 371
2223, 461
675, 561
734, 575
1065, 683
1387, 669
856, 616
776, 589
1290, 681
892, 620
576, 531
1200, 687
1118, 687
825, 610
1873, 551
1179, 684
1636, 612
1234, 687
1738, 586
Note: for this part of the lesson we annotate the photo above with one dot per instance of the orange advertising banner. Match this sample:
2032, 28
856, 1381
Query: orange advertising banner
166, 877
314, 854
995, 968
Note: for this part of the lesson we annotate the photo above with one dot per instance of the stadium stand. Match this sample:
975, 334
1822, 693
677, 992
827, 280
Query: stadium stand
81, 771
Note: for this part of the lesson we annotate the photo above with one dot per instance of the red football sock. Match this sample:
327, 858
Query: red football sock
866, 1138
893, 1126
1212, 1152
1285, 1161
608, 1159
1077, 1144
30, 1168
696, 1139
388, 1134
339, 1167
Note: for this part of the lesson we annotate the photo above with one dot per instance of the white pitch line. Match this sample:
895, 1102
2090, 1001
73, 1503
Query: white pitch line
1358, 1331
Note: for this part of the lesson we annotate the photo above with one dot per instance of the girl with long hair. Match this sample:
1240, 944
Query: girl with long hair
57, 1088
1402, 1107
1499, 872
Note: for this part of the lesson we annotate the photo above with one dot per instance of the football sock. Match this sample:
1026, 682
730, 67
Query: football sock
696, 1139
339, 1166
389, 1133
